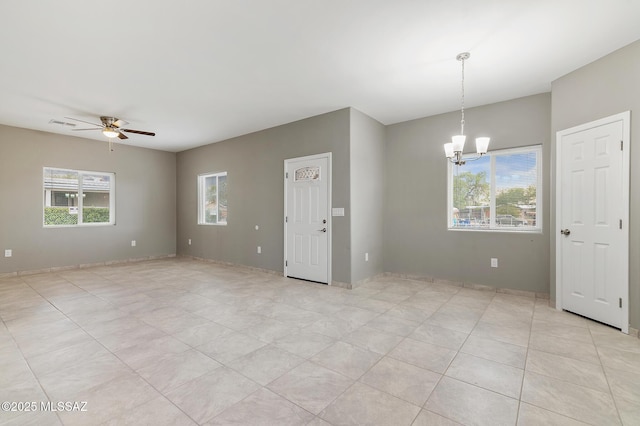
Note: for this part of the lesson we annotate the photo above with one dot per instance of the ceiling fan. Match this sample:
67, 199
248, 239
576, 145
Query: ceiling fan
111, 127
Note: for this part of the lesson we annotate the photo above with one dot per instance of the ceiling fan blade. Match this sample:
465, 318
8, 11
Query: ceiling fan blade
93, 128
122, 136
120, 123
82, 121
140, 132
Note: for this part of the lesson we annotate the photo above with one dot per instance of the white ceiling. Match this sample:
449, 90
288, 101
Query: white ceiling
202, 71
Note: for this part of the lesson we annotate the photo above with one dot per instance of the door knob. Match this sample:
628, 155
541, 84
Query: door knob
322, 230
565, 232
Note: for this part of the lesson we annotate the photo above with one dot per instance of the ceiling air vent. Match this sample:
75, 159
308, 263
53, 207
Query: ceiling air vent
61, 123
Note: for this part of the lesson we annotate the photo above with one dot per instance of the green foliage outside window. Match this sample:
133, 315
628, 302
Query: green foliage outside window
61, 215
470, 189
507, 201
500, 190
212, 199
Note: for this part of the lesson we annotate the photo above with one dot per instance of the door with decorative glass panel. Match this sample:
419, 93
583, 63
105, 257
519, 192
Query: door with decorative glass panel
307, 227
592, 237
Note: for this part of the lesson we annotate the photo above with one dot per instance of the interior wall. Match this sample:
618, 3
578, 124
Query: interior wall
145, 202
367, 195
416, 238
605, 87
255, 182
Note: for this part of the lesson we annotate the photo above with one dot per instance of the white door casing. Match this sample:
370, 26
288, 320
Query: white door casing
307, 228
592, 220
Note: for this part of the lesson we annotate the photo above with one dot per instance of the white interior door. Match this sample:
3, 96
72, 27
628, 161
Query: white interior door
592, 219
307, 218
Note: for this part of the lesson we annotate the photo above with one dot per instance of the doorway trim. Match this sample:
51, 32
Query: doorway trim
625, 118
326, 155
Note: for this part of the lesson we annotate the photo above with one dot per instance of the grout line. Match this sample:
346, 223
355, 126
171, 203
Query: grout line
165, 283
526, 359
606, 377
100, 343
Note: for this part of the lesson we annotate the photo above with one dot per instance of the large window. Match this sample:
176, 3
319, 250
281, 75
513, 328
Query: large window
212, 199
73, 197
500, 191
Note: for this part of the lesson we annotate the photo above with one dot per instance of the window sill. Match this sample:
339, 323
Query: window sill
83, 225
500, 230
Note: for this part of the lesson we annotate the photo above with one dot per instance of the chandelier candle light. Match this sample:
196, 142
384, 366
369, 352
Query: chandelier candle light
453, 150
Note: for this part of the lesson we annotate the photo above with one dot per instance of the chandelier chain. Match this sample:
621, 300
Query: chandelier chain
462, 100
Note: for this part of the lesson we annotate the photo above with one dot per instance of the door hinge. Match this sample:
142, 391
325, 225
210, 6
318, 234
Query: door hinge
620, 302
286, 175
286, 263
621, 145
620, 223
286, 219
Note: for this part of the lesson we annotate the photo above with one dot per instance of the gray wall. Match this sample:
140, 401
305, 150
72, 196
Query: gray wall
145, 202
605, 87
156, 191
367, 195
255, 165
416, 239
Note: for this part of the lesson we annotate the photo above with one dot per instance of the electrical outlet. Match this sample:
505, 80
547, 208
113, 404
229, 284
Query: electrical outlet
133, 243
189, 241
259, 249
8, 253
366, 257
494, 262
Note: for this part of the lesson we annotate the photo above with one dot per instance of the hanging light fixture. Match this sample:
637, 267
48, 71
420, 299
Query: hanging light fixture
453, 150
110, 131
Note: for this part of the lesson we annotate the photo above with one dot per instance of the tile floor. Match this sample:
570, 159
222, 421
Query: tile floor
182, 342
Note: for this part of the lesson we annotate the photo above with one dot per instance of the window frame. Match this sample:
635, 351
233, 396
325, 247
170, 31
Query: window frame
80, 206
201, 187
537, 229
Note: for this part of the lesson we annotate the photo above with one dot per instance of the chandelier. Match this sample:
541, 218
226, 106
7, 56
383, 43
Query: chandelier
453, 150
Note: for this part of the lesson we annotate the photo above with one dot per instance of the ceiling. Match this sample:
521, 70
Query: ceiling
203, 71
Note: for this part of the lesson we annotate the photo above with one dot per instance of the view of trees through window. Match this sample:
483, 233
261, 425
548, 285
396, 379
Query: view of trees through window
212, 198
505, 182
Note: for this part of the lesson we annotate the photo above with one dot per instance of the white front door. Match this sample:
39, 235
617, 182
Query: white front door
307, 218
593, 221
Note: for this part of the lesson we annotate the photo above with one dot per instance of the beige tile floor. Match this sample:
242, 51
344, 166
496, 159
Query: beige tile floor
182, 342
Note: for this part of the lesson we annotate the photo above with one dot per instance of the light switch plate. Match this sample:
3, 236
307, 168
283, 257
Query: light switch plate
337, 211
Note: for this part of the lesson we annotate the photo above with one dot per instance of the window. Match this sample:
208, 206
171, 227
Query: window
507, 182
212, 199
73, 197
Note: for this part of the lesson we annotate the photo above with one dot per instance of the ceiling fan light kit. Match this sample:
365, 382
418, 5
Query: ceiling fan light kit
111, 127
110, 132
